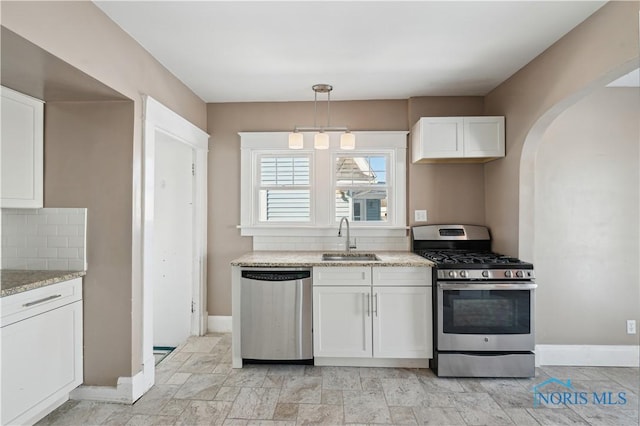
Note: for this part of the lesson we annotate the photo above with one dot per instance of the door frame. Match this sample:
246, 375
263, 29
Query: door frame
160, 119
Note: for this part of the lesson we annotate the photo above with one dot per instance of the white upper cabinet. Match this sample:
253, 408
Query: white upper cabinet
439, 137
455, 139
21, 150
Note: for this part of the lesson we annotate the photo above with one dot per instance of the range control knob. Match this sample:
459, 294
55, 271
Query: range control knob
464, 274
452, 274
508, 274
485, 274
519, 274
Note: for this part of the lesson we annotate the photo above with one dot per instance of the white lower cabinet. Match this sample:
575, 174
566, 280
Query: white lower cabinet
342, 321
402, 322
387, 320
41, 350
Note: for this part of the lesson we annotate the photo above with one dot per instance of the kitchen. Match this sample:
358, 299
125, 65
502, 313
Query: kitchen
481, 192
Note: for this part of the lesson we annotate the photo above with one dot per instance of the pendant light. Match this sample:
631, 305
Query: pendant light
296, 141
347, 140
321, 138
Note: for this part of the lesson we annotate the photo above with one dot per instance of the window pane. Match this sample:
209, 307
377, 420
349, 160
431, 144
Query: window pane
284, 171
361, 170
361, 205
285, 205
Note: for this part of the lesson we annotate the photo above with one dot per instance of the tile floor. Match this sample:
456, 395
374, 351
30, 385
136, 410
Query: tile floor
195, 385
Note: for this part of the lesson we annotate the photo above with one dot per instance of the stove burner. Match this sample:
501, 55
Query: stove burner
467, 257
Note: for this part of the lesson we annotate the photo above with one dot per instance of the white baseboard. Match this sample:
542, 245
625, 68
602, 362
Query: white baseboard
588, 355
127, 391
219, 324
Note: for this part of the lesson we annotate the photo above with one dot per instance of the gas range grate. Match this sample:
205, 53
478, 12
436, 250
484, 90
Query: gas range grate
466, 257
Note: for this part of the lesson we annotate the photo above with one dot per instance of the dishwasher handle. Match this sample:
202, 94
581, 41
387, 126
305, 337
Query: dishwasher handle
276, 275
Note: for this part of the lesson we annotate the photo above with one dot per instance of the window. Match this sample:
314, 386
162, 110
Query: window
361, 187
284, 189
306, 192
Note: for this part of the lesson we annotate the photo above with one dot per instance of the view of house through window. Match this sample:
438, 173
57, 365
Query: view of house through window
285, 191
361, 187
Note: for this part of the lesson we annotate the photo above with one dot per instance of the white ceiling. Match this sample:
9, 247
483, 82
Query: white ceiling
238, 51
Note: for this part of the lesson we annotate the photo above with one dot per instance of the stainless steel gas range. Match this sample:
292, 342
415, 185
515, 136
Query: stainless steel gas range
484, 304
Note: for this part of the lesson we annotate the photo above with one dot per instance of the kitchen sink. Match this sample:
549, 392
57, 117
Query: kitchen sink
349, 257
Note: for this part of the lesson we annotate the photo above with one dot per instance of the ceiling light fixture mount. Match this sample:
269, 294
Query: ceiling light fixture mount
321, 138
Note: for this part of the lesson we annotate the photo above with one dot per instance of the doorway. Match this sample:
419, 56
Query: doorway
174, 234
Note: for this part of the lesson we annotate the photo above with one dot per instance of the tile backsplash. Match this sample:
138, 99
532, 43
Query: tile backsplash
329, 243
44, 239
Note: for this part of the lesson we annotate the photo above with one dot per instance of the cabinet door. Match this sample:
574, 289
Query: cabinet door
437, 137
21, 150
402, 322
41, 362
483, 137
342, 322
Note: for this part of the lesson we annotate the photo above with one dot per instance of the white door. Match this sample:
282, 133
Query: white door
342, 322
402, 322
172, 241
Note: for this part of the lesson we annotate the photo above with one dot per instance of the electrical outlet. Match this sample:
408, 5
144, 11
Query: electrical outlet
420, 215
631, 326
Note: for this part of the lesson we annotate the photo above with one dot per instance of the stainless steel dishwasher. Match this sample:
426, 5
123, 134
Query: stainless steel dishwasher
276, 314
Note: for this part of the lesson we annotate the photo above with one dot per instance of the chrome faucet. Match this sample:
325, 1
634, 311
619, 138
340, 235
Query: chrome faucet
344, 219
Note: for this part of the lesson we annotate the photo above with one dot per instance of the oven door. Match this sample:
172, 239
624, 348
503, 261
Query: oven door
491, 316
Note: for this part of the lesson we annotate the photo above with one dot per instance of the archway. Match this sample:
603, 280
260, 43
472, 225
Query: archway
575, 183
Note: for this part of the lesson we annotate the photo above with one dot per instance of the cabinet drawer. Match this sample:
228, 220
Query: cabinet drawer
402, 276
356, 275
33, 302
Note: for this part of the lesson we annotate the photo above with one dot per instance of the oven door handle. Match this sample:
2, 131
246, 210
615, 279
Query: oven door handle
511, 285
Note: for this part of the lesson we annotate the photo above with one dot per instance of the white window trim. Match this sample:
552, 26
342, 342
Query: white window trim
392, 143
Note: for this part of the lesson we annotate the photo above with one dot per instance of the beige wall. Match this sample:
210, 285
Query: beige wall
451, 193
224, 122
80, 34
603, 47
88, 163
448, 192
587, 187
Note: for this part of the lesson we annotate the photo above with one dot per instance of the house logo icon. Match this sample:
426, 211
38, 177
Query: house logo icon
537, 390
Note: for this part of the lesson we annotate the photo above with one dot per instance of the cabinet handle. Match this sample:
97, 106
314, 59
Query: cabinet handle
45, 299
368, 305
375, 298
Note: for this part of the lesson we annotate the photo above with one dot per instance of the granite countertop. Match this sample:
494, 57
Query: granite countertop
16, 281
314, 258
